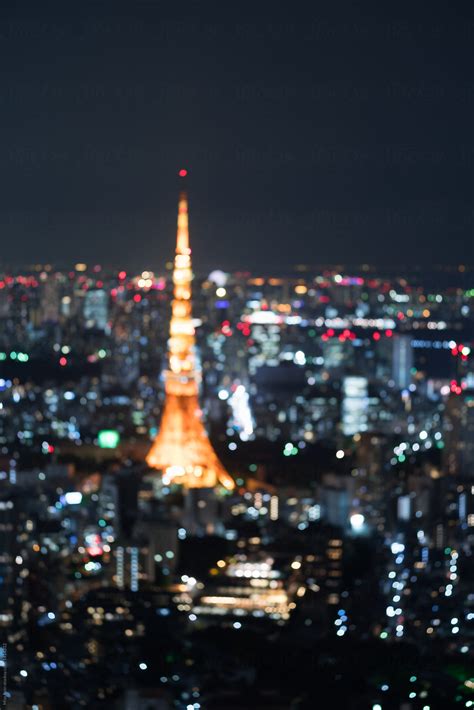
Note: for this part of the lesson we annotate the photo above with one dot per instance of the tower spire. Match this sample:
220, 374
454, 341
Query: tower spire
182, 450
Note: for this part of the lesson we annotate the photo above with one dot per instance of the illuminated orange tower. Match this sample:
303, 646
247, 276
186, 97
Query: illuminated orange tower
182, 450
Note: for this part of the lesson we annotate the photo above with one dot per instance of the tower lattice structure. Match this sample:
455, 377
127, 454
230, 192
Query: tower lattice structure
182, 450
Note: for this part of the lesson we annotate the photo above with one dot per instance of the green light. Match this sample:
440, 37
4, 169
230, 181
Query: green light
3, 356
108, 439
384, 635
13, 355
102, 353
102, 523
412, 679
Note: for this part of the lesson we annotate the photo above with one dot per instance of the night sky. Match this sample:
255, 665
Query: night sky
342, 134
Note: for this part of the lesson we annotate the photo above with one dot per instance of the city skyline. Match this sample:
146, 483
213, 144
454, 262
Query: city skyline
236, 356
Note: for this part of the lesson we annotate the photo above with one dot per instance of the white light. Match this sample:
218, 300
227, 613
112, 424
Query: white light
340, 454
73, 498
300, 358
237, 625
357, 521
223, 394
376, 707
143, 666
24, 673
423, 435
397, 547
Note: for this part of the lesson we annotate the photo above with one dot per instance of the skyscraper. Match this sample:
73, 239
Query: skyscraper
182, 450
402, 361
96, 309
459, 434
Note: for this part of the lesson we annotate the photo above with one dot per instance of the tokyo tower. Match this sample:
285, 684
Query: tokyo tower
182, 450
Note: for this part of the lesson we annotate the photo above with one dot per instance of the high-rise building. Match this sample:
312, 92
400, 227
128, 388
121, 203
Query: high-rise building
402, 361
354, 405
459, 433
96, 309
182, 450
50, 300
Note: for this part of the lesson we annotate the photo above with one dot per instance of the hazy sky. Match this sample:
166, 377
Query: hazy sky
338, 135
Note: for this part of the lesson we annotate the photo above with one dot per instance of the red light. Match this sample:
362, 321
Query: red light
389, 333
183, 173
376, 336
63, 361
50, 449
94, 550
122, 275
137, 298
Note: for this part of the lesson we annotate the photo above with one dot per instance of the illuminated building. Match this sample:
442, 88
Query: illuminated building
245, 587
182, 450
402, 361
7, 540
459, 433
50, 301
354, 405
96, 311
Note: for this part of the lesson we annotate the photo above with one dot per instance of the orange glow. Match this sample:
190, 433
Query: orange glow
182, 450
